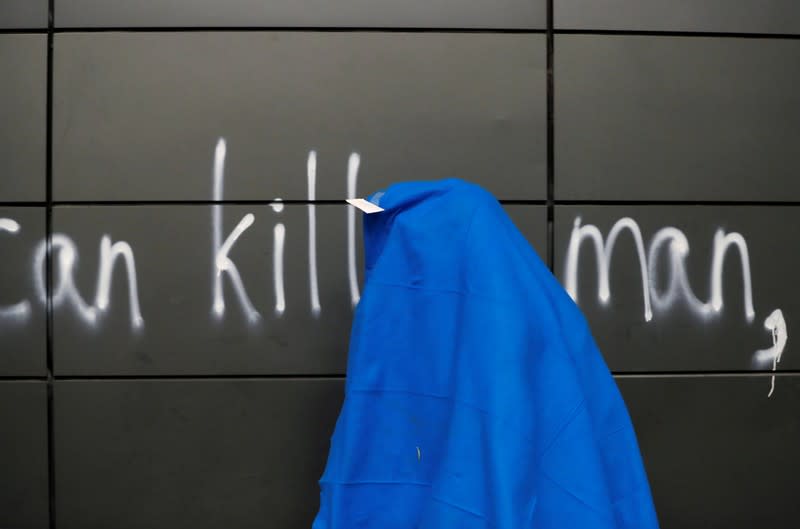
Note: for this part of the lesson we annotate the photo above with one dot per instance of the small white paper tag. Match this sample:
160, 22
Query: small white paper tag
364, 205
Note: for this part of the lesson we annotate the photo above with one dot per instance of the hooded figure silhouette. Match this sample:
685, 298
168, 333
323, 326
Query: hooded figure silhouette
475, 396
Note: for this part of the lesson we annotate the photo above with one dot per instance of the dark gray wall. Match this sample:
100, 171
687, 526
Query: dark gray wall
23, 69
320, 13
199, 453
130, 108
23, 14
24, 495
742, 16
676, 118
718, 453
672, 132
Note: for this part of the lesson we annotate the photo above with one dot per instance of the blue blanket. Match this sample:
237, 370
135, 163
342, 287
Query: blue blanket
475, 395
